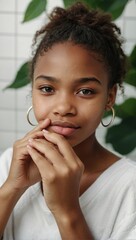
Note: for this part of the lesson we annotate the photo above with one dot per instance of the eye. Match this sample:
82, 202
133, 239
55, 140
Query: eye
47, 89
86, 92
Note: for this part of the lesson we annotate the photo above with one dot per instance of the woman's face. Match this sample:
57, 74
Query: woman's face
70, 87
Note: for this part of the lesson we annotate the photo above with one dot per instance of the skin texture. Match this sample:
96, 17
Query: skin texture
70, 94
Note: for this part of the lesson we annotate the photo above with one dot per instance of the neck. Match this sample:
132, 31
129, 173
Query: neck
87, 150
95, 157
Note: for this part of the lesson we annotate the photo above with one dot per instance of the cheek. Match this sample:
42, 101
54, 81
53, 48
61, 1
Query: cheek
40, 109
94, 110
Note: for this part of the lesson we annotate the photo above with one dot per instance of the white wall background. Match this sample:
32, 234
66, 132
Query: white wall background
15, 49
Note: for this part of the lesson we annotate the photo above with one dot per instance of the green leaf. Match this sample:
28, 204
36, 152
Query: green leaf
123, 136
115, 7
22, 77
131, 77
132, 57
126, 109
68, 3
34, 9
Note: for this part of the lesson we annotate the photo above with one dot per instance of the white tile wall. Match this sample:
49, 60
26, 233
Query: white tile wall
7, 46
15, 49
7, 6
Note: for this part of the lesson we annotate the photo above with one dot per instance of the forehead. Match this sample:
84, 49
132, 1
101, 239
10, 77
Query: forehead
68, 58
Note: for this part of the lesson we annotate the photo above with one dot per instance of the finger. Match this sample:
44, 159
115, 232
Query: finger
64, 147
62, 144
39, 127
49, 150
43, 125
45, 168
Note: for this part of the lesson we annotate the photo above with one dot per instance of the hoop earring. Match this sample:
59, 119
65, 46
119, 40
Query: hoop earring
112, 119
27, 116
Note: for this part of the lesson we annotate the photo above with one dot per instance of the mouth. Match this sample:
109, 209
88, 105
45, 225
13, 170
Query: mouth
63, 128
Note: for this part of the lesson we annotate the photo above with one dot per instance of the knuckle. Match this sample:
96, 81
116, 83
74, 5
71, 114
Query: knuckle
82, 167
75, 167
52, 177
66, 172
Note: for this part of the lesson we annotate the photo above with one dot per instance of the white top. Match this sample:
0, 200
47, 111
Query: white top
109, 206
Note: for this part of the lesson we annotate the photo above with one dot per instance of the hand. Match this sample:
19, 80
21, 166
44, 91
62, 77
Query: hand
60, 170
24, 172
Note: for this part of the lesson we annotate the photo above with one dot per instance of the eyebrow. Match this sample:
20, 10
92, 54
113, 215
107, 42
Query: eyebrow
79, 80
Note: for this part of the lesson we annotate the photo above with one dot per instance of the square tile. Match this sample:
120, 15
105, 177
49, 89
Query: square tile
24, 46
8, 23
7, 97
8, 5
7, 120
7, 46
7, 69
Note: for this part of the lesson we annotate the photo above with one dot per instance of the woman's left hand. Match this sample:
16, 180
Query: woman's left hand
60, 170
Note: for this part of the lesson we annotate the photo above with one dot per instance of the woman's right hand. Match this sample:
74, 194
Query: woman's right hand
23, 171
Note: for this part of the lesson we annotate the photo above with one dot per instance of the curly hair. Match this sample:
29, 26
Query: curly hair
92, 29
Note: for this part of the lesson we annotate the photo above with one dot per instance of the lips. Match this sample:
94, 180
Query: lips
63, 128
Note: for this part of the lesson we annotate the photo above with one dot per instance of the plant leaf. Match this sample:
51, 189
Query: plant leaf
132, 57
123, 136
22, 77
131, 77
34, 9
115, 7
68, 3
126, 109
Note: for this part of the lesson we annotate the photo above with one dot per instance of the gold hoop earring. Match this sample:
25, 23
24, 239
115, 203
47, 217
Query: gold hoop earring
27, 116
112, 119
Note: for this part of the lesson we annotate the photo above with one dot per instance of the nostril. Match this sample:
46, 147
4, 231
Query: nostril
65, 109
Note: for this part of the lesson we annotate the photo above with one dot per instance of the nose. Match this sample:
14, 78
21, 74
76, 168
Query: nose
65, 106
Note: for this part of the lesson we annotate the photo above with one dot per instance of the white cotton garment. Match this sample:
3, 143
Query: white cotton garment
108, 205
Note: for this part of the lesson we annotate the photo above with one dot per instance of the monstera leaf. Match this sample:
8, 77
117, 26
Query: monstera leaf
115, 7
123, 135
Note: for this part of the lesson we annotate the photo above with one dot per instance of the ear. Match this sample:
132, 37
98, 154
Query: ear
111, 97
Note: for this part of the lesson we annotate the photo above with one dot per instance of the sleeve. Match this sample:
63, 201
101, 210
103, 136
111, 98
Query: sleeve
5, 161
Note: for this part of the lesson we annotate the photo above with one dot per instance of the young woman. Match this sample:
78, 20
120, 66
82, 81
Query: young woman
58, 182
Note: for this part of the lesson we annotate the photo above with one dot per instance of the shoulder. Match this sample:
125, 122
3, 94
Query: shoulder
125, 168
127, 165
123, 165
122, 176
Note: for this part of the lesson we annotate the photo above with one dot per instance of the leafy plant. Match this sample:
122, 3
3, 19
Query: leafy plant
122, 136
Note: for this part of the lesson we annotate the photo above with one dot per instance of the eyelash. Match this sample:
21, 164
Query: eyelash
48, 90
91, 91
45, 90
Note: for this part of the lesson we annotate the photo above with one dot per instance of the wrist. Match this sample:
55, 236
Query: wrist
69, 217
72, 225
9, 192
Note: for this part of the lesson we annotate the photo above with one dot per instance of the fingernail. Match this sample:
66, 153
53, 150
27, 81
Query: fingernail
29, 147
45, 131
30, 140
